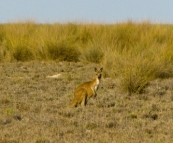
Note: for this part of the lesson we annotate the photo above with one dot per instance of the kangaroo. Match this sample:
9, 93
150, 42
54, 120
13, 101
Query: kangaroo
86, 90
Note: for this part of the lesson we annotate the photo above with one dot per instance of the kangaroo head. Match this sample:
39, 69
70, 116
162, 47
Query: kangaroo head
98, 73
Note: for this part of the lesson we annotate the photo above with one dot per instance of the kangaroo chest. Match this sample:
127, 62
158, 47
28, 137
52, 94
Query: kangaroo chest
96, 85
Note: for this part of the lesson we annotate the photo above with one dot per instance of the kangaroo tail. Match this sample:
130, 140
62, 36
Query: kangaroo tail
73, 104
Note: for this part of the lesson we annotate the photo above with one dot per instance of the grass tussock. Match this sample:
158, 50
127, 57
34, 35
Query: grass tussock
133, 53
93, 53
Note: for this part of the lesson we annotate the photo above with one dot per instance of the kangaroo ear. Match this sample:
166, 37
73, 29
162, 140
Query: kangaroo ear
101, 69
95, 69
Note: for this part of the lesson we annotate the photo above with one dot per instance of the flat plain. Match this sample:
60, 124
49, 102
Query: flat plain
34, 108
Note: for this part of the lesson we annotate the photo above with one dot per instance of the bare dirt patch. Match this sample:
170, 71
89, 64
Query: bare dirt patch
34, 108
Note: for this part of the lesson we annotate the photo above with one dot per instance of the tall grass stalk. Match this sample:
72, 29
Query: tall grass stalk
132, 53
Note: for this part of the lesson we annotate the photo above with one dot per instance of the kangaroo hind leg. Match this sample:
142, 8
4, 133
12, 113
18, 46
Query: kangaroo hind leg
84, 101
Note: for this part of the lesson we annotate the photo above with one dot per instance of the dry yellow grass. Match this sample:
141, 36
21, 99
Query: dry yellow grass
34, 109
133, 53
137, 58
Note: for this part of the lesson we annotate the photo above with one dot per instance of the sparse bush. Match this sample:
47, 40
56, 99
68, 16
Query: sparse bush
93, 53
135, 66
62, 51
22, 54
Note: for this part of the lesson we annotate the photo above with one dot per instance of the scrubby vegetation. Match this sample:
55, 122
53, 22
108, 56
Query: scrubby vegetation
34, 109
133, 53
137, 58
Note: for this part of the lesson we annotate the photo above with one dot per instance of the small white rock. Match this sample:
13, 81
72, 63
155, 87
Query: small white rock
54, 76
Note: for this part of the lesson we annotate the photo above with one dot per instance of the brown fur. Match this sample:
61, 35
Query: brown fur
86, 90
